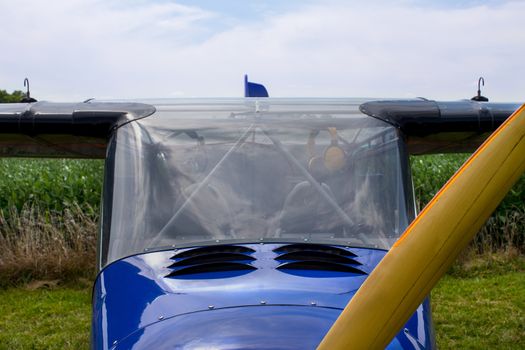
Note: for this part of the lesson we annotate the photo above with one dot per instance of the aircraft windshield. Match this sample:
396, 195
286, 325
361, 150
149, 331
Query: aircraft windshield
246, 172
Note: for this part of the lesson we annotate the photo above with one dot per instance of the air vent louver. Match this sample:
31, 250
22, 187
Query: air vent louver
317, 257
301, 247
212, 259
213, 249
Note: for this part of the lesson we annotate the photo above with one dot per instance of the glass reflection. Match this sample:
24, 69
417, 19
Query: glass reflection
202, 177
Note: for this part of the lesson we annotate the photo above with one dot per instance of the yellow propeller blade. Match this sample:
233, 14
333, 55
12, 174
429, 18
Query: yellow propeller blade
416, 262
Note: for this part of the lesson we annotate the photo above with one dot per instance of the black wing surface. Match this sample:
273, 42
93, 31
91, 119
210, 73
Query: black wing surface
68, 130
441, 127
81, 130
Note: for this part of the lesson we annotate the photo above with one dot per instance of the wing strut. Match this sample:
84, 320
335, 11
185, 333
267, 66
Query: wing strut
432, 242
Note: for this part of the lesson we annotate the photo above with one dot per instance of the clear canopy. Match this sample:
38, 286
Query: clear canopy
247, 170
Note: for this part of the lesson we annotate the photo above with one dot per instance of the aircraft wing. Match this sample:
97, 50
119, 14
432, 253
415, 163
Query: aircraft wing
72, 130
441, 127
81, 130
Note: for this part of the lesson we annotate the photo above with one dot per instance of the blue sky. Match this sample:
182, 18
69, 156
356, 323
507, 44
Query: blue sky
332, 48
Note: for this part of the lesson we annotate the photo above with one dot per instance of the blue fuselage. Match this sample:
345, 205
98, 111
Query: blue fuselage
266, 300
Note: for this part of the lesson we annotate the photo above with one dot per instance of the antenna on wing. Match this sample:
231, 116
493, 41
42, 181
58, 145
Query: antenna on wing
27, 98
480, 98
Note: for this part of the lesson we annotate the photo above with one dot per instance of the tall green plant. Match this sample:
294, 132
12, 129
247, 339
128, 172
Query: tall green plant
504, 230
50, 184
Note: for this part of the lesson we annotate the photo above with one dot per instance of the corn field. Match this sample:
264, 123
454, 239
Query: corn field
49, 211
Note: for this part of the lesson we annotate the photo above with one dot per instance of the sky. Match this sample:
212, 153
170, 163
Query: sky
113, 49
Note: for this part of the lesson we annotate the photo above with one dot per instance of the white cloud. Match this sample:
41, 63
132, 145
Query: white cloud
85, 48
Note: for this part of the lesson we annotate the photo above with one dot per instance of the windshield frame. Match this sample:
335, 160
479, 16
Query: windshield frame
108, 201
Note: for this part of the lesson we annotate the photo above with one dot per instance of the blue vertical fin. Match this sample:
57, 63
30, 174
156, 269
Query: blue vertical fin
254, 89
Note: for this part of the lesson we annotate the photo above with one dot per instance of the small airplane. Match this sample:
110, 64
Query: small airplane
251, 223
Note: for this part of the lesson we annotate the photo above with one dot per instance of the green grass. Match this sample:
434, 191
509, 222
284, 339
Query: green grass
480, 312
45, 318
480, 305
477, 305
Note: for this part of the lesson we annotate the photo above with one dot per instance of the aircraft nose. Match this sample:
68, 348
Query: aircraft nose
250, 327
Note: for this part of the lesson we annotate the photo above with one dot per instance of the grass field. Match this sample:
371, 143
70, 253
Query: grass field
480, 304
45, 318
480, 312
477, 306
50, 209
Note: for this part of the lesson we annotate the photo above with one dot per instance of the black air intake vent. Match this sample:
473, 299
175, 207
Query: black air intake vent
212, 259
214, 249
317, 257
303, 247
